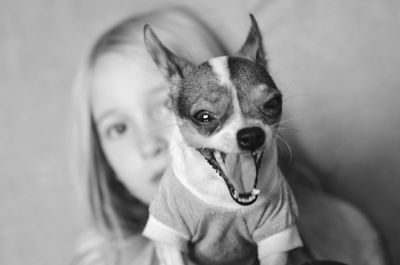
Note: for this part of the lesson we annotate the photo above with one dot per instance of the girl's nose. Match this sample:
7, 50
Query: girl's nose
153, 147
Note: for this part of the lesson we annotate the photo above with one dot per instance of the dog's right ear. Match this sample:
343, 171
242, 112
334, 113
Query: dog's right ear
173, 67
253, 47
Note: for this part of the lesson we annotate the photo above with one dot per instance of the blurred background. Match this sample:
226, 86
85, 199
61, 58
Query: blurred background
343, 53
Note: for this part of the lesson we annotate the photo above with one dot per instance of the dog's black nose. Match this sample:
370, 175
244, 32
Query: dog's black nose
250, 138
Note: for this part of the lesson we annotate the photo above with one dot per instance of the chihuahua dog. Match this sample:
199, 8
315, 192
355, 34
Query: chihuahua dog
223, 200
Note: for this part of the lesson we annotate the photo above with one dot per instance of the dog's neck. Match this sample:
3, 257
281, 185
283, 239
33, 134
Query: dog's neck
193, 171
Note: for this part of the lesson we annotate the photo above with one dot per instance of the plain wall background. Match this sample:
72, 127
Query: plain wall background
338, 63
42, 41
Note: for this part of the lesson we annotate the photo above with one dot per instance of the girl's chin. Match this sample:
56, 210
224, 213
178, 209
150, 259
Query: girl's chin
145, 195
144, 187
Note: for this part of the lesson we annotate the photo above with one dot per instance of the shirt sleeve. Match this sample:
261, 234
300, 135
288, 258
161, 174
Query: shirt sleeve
160, 232
283, 241
277, 230
167, 223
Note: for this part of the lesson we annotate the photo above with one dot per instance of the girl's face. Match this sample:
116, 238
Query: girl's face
134, 125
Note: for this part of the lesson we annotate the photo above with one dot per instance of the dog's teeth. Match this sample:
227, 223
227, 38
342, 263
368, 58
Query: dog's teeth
217, 156
220, 160
236, 194
223, 155
255, 192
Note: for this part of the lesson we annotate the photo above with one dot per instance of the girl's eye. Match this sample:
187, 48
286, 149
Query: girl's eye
116, 130
204, 116
273, 106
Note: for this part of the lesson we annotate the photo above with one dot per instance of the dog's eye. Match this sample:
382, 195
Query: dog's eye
273, 106
204, 116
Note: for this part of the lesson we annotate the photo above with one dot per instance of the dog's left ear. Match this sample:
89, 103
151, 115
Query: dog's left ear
173, 67
253, 47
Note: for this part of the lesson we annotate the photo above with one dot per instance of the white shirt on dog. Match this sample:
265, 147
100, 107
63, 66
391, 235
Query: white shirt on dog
220, 235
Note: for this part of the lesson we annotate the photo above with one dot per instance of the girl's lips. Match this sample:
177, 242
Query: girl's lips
157, 176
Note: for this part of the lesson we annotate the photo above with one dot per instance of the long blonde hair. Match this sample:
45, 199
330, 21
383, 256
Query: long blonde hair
116, 213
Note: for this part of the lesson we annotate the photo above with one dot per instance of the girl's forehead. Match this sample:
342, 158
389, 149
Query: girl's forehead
125, 83
112, 67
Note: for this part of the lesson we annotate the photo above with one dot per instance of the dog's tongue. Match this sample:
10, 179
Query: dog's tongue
241, 171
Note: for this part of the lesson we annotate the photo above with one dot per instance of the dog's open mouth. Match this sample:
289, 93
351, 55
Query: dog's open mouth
239, 170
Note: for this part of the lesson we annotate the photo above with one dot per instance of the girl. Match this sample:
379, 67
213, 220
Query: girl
123, 130
122, 135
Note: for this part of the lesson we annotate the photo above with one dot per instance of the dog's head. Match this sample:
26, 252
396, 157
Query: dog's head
228, 108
